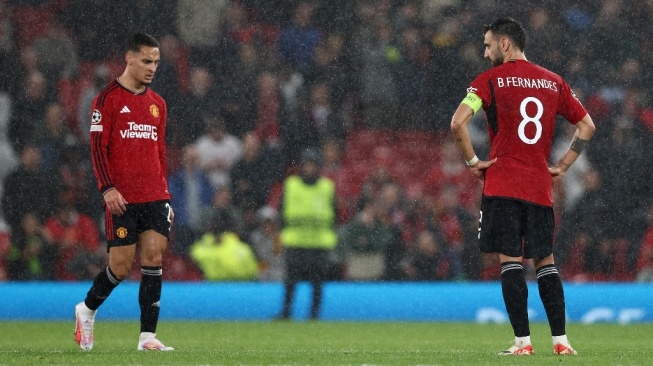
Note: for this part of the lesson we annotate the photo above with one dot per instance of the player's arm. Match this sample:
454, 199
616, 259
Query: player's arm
464, 113
100, 136
584, 132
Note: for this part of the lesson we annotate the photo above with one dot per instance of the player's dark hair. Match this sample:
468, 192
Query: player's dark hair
139, 40
510, 28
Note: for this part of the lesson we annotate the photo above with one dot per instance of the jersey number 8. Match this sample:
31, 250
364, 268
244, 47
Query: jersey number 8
528, 119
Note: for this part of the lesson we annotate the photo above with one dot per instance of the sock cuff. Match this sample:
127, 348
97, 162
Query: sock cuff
511, 266
546, 270
112, 277
152, 271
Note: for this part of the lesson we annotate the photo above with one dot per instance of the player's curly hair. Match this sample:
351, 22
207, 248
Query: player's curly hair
510, 28
139, 40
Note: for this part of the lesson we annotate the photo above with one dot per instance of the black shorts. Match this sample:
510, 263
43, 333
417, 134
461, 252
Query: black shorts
306, 264
515, 228
139, 217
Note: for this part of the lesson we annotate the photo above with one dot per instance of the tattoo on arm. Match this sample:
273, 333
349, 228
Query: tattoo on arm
578, 144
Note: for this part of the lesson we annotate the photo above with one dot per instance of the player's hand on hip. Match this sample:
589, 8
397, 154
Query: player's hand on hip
479, 168
115, 202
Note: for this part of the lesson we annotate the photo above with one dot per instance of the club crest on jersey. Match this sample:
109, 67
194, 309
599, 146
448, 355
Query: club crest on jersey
154, 110
121, 232
96, 117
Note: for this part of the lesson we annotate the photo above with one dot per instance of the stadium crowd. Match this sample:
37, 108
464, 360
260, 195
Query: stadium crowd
370, 83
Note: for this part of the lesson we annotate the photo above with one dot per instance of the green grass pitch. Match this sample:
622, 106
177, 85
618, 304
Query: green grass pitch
319, 343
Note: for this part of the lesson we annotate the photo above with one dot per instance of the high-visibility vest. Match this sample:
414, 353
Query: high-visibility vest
224, 257
309, 214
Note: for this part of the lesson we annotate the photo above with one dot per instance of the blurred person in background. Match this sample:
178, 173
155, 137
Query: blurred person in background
222, 202
222, 255
29, 111
427, 260
193, 192
266, 242
199, 24
77, 238
308, 213
57, 137
28, 189
56, 52
194, 109
299, 38
32, 255
218, 151
253, 175
365, 239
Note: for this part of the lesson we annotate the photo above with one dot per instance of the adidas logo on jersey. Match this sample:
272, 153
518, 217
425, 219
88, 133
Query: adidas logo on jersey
125, 110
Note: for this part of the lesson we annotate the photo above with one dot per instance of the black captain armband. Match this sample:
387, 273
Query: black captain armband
578, 144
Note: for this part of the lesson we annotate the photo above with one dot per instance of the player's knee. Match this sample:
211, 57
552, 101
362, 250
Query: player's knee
151, 258
120, 270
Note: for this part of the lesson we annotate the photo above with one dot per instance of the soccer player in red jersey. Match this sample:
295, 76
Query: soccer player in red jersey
128, 125
521, 101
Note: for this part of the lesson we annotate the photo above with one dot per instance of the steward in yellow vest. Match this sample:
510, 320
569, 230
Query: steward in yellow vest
308, 213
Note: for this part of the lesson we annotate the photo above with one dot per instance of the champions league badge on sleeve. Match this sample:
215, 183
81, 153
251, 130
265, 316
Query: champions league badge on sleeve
96, 117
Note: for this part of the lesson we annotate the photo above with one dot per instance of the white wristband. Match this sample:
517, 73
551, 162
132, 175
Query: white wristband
472, 162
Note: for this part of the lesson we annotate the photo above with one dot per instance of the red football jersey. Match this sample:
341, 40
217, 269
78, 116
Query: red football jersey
521, 101
128, 143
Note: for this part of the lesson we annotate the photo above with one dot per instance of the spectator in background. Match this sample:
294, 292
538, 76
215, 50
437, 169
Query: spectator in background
28, 189
266, 242
57, 137
411, 72
236, 90
270, 103
427, 261
75, 173
599, 258
218, 151
378, 58
253, 175
27, 125
222, 203
221, 255
193, 109
308, 235
32, 255
333, 68
56, 52
199, 25
192, 190
8, 159
169, 73
325, 119
588, 218
572, 185
100, 80
9, 57
299, 38
365, 240
77, 238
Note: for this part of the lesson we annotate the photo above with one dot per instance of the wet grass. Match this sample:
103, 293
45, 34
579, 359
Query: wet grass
319, 343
